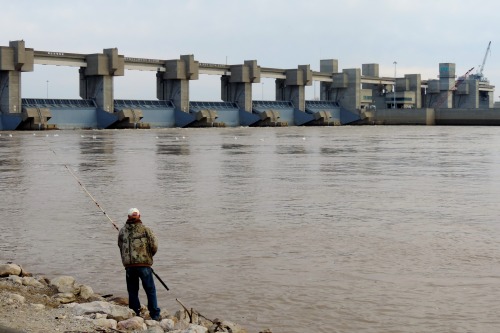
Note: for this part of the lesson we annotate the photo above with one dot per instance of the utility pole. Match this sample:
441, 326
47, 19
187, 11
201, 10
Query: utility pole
395, 63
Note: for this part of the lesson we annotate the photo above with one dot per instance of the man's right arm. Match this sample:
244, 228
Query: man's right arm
153, 242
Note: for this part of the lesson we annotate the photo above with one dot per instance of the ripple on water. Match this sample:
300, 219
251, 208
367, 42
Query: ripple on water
354, 229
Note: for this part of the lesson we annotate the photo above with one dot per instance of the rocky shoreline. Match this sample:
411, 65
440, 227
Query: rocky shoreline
36, 304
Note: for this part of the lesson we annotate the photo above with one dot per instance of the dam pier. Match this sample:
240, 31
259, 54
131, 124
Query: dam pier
353, 96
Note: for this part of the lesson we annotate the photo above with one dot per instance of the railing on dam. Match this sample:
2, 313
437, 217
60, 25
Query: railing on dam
321, 104
158, 65
212, 105
273, 104
143, 104
65, 103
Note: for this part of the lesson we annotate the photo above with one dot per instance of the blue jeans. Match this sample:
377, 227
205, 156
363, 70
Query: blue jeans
148, 283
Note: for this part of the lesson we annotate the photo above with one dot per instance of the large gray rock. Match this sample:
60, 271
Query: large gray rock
151, 322
64, 298
31, 281
105, 323
167, 324
195, 329
14, 298
135, 323
86, 292
15, 279
65, 284
155, 329
10, 269
181, 325
113, 311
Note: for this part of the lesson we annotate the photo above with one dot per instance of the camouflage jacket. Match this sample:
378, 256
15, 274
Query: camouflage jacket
137, 244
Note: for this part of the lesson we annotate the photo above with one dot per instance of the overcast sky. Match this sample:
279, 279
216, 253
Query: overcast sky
417, 34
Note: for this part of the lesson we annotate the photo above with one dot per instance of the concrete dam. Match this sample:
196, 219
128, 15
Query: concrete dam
354, 96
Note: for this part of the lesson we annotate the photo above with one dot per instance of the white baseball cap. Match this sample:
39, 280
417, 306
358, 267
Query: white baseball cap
134, 213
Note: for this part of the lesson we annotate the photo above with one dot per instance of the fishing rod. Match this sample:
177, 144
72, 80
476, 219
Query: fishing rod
101, 209
190, 313
86, 191
159, 279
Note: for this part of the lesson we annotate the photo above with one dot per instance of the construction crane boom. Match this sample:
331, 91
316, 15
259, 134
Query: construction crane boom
480, 74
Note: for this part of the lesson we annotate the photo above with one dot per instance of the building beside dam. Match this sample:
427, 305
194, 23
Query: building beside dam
348, 97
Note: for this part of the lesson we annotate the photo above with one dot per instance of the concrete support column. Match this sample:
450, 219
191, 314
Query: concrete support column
467, 95
293, 87
173, 84
237, 88
415, 83
446, 84
378, 90
96, 80
491, 100
350, 97
329, 66
13, 60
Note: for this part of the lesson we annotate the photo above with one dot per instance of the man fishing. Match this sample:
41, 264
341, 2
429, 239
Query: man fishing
138, 245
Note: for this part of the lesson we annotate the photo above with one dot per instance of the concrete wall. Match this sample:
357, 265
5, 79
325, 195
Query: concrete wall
13, 60
429, 116
477, 117
424, 116
10, 91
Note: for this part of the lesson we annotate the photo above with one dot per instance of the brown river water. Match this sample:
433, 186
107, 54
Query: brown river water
340, 229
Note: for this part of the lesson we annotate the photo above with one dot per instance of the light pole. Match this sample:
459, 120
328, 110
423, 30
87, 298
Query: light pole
262, 90
395, 63
47, 89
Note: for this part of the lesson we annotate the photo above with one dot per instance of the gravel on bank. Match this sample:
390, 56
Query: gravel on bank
38, 305
36, 313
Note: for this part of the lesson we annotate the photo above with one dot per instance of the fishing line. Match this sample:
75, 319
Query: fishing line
86, 191
100, 208
190, 312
